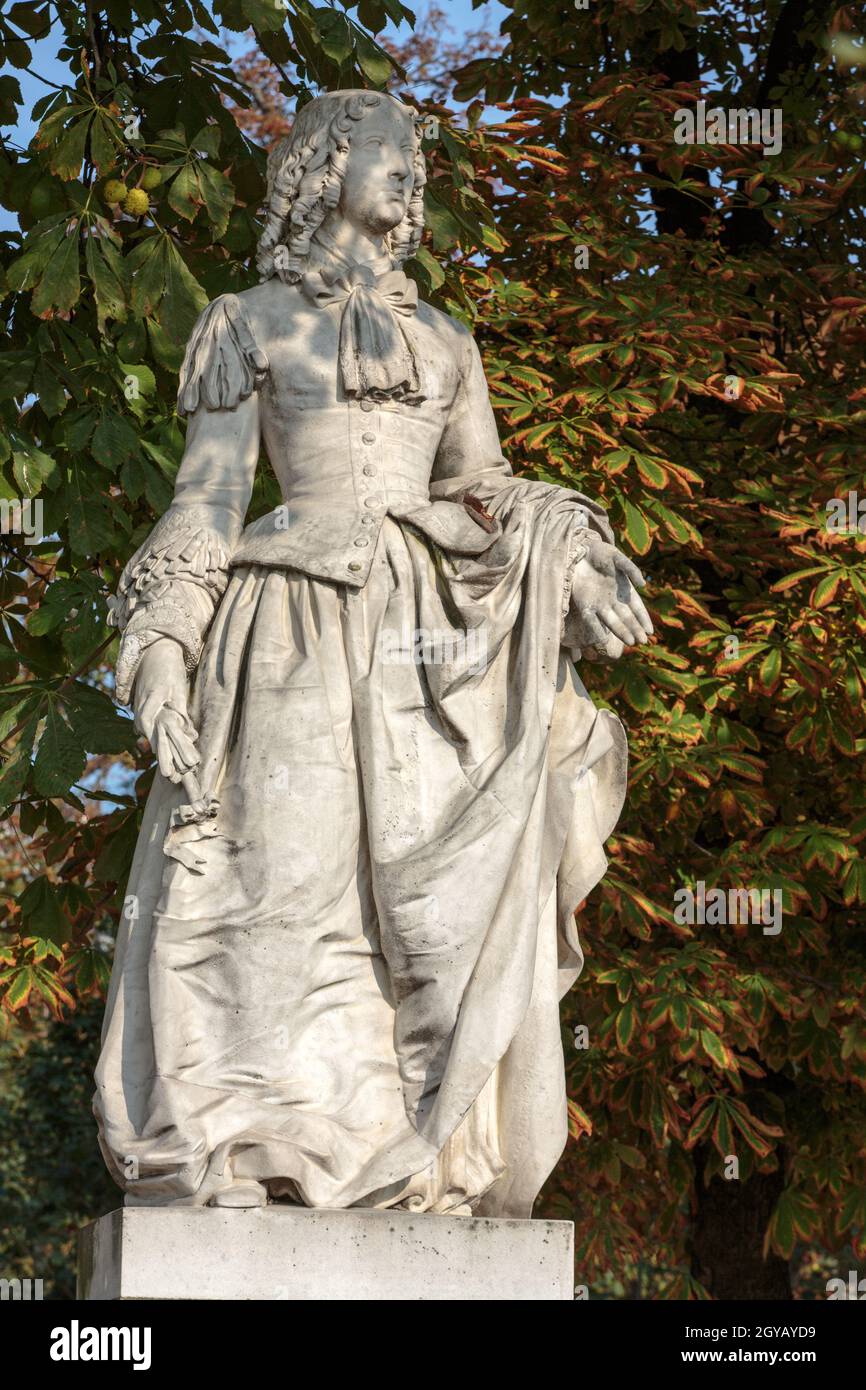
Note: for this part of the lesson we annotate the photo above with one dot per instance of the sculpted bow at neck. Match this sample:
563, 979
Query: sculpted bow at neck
378, 359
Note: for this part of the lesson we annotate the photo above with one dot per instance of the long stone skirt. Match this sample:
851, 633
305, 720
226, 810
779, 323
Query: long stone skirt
353, 997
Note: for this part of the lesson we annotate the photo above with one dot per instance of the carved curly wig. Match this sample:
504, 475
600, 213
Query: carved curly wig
305, 176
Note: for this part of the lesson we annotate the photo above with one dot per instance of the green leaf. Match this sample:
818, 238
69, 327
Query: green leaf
147, 270
115, 859
651, 472
825, 590
42, 913
74, 606
219, 198
680, 1014
60, 286
16, 767
97, 723
637, 691
167, 353
66, 155
372, 60
108, 276
715, 1049
92, 971
34, 19
184, 194
31, 468
90, 527
113, 441
443, 225
636, 528
42, 242
792, 1218
49, 389
105, 141
184, 297
264, 15
770, 669
18, 987
588, 352
60, 757
336, 36
626, 1022
143, 375
432, 274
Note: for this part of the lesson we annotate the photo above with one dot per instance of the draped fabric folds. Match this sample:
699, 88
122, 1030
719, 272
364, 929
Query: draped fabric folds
356, 1001
377, 356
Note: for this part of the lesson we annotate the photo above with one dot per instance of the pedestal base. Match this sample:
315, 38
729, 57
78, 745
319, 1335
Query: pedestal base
283, 1252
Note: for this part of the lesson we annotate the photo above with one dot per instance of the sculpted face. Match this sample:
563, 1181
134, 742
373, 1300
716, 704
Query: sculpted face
379, 172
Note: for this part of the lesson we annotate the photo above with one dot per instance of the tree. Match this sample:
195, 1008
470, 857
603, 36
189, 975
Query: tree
676, 330
699, 367
425, 62
52, 1181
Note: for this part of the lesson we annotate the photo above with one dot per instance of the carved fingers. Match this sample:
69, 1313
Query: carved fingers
629, 580
611, 614
173, 740
627, 567
623, 623
160, 701
597, 641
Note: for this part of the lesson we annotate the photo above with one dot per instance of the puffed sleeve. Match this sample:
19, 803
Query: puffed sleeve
174, 581
469, 460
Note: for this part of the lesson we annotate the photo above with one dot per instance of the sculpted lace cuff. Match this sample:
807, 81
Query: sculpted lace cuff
169, 588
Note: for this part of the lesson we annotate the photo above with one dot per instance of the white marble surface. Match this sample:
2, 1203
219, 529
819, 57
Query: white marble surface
282, 1252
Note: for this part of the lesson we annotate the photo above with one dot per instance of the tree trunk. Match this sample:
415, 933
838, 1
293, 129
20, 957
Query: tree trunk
728, 1236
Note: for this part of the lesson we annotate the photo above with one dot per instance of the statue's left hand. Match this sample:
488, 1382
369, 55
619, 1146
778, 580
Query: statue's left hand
610, 614
161, 708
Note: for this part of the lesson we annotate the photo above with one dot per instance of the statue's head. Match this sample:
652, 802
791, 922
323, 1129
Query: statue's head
357, 153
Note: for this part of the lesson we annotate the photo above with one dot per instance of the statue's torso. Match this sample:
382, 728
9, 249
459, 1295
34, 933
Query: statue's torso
304, 411
342, 464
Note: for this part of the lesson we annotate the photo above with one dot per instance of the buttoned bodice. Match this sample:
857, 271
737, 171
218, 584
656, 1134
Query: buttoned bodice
343, 464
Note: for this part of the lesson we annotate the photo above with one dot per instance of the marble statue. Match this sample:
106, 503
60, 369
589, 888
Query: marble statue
383, 790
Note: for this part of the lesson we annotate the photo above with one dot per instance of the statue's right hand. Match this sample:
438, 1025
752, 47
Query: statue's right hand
160, 701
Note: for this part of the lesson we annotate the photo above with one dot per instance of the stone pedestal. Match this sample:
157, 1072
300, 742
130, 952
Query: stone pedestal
283, 1252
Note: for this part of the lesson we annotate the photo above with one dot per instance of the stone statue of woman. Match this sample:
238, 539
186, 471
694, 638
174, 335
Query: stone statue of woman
383, 790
